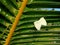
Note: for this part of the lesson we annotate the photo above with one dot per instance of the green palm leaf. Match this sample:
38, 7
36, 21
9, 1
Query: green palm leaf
26, 33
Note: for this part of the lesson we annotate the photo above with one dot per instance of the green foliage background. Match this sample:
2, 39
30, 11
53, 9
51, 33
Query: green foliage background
26, 33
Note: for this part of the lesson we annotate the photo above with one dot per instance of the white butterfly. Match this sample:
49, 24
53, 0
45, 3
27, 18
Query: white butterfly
39, 23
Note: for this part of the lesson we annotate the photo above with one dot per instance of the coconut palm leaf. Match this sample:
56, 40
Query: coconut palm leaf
26, 33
